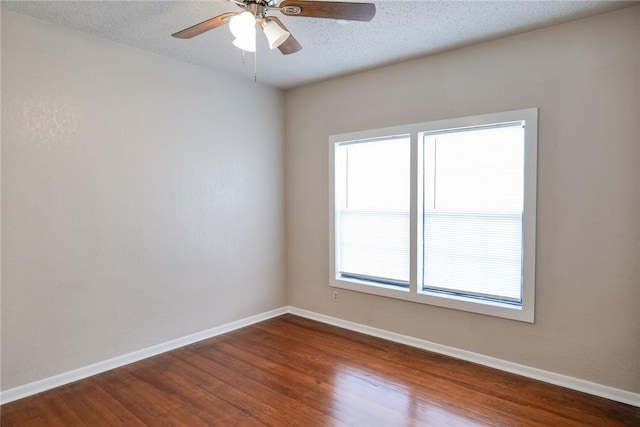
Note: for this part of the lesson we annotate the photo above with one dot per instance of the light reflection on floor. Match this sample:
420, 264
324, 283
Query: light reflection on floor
363, 398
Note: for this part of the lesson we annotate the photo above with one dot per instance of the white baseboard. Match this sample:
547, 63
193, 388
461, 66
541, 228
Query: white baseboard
607, 392
77, 374
538, 374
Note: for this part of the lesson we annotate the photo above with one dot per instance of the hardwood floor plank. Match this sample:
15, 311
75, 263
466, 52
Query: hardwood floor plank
290, 385
351, 369
291, 371
186, 390
307, 389
23, 412
101, 403
228, 413
237, 374
59, 409
125, 389
242, 399
502, 391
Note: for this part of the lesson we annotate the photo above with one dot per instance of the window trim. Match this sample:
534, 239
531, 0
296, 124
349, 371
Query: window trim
525, 311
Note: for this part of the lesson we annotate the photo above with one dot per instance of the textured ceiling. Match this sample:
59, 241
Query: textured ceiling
400, 30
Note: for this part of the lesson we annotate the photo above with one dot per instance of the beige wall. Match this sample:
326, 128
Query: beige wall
138, 205
585, 79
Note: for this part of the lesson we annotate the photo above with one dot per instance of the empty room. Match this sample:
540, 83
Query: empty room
320, 213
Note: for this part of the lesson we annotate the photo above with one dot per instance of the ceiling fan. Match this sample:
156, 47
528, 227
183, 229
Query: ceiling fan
243, 24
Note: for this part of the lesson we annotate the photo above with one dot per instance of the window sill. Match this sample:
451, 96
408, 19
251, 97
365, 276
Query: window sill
489, 308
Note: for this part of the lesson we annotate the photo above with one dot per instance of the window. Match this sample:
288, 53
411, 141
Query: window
441, 213
373, 210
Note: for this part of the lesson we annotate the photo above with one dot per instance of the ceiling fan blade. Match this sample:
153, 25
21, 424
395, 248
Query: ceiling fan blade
290, 45
204, 26
329, 9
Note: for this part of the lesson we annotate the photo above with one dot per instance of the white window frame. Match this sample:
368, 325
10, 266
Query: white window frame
525, 311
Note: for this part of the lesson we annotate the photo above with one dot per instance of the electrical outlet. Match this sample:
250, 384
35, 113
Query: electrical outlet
335, 296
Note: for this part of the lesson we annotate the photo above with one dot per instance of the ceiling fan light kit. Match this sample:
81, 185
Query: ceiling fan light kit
243, 25
275, 34
247, 43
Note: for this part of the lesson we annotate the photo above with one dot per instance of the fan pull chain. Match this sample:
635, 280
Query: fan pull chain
255, 66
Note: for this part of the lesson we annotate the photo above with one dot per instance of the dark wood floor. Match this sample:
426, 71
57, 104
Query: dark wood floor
291, 371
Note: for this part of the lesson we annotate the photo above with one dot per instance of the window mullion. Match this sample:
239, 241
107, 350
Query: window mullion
415, 201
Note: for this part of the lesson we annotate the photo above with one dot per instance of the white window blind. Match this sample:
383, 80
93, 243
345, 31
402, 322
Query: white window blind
473, 211
372, 210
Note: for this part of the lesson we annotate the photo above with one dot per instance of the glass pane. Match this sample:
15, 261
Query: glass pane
473, 201
478, 170
373, 194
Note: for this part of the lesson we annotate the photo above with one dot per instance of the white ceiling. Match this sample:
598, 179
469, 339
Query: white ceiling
400, 30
